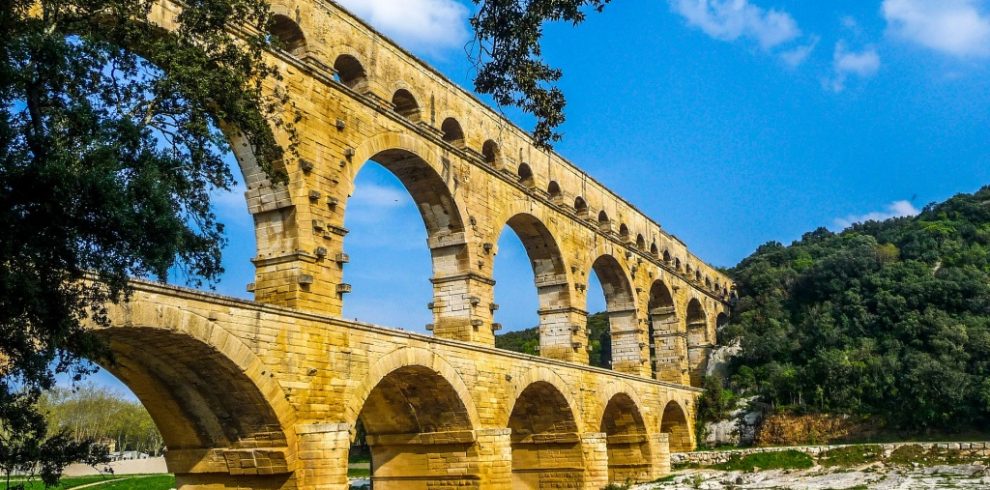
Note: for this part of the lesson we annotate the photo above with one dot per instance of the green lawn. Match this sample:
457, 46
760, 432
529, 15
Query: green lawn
123, 482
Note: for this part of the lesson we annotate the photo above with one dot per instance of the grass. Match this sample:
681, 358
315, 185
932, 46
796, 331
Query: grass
851, 456
916, 455
126, 482
778, 460
358, 472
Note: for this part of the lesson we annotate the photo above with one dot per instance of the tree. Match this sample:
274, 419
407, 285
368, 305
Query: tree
511, 69
109, 147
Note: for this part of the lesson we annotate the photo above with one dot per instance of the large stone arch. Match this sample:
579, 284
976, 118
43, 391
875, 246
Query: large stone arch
620, 300
545, 436
668, 339
558, 317
628, 443
676, 423
220, 413
420, 422
433, 185
699, 345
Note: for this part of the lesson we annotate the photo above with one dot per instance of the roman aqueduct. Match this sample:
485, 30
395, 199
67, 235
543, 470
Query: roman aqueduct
268, 394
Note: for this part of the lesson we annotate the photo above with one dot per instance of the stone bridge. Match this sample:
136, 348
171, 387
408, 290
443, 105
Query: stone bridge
269, 394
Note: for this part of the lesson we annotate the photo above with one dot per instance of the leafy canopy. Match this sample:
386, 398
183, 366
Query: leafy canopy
109, 148
511, 68
886, 319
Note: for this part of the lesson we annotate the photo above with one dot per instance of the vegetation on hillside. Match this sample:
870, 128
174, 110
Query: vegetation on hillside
889, 319
528, 341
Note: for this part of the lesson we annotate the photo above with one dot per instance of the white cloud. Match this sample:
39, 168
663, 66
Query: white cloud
794, 57
954, 27
729, 20
430, 25
846, 63
895, 209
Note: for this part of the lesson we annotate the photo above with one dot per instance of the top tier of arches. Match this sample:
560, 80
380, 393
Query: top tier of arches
385, 75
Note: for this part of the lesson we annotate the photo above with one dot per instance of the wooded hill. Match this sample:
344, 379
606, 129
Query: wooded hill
889, 320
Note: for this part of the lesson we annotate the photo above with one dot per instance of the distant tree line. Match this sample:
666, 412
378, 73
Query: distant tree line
527, 341
889, 320
95, 413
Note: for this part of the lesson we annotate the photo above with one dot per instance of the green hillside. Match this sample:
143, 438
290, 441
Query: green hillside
528, 341
888, 319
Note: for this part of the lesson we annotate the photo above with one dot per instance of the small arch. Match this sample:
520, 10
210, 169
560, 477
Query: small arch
624, 353
603, 222
666, 256
677, 263
698, 343
721, 321
350, 72
287, 34
697, 275
452, 132
674, 423
654, 251
525, 175
492, 153
580, 205
666, 346
405, 104
626, 442
708, 282
553, 189
623, 230
640, 242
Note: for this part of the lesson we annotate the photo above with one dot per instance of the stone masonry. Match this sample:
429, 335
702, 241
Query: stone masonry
268, 394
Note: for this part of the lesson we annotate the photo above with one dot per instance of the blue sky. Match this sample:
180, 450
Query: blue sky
731, 122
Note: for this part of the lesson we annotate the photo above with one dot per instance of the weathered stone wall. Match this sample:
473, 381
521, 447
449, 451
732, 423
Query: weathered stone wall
435, 410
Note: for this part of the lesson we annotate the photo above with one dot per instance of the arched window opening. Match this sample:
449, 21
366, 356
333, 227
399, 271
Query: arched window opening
721, 321
624, 231
452, 132
540, 412
627, 447
491, 152
553, 190
698, 344
350, 72
666, 256
697, 275
525, 175
620, 347
654, 251
526, 248
677, 264
414, 402
668, 351
399, 202
675, 424
288, 35
708, 282
580, 206
640, 242
604, 223
405, 104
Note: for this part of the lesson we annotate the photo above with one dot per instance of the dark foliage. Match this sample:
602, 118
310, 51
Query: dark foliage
886, 319
512, 71
107, 160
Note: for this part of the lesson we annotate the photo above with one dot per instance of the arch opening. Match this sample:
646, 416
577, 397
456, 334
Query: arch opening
674, 423
640, 243
289, 35
604, 223
654, 251
668, 351
698, 343
630, 458
525, 175
416, 427
552, 287
546, 444
452, 132
203, 402
492, 153
553, 190
623, 336
390, 254
405, 104
350, 72
580, 206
